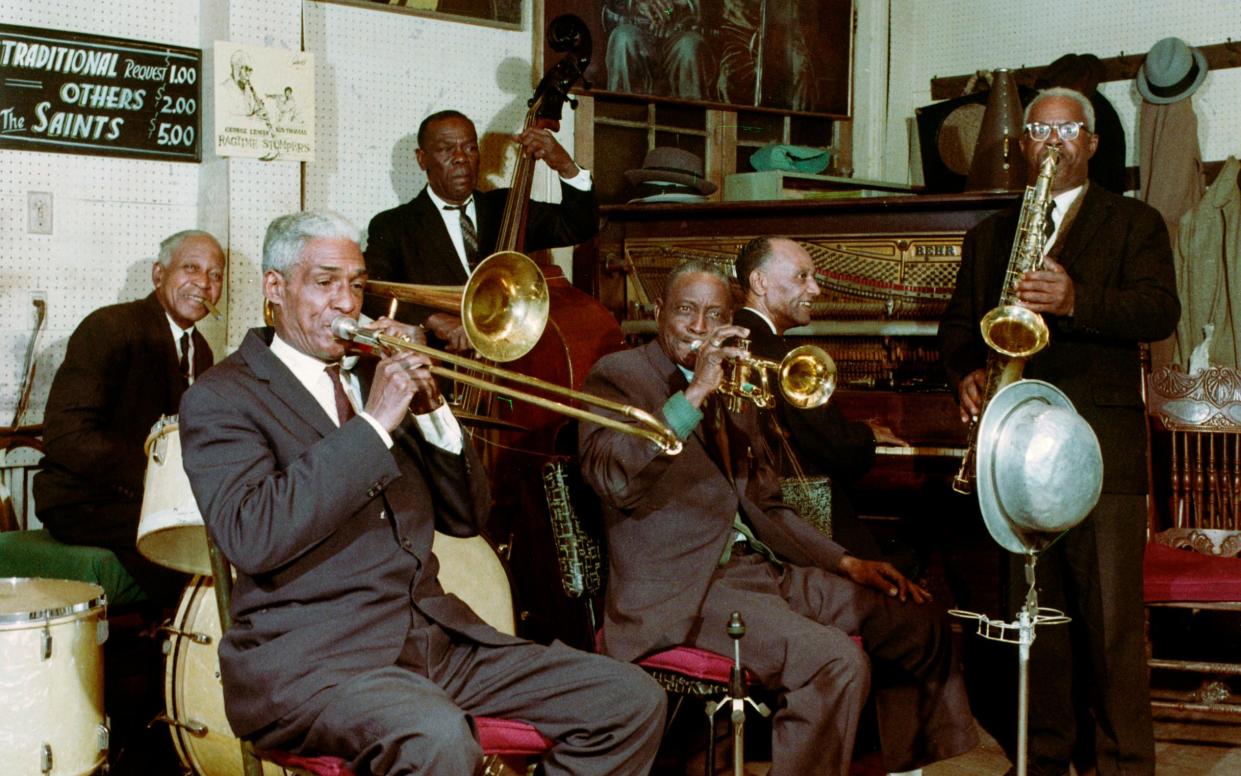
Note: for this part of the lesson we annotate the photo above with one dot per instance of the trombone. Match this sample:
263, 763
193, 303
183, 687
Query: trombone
504, 308
650, 428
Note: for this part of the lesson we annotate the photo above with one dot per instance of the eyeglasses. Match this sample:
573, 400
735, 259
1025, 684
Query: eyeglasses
1065, 130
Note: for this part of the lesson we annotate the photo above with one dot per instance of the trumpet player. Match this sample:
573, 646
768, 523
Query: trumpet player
696, 536
1106, 286
322, 490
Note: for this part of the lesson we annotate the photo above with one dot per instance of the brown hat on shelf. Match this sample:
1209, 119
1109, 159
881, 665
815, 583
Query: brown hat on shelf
1082, 72
675, 166
1172, 71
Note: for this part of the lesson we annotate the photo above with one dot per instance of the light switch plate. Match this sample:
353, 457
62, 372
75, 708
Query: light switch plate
39, 212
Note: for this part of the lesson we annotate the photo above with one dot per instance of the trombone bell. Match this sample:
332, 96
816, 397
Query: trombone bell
504, 306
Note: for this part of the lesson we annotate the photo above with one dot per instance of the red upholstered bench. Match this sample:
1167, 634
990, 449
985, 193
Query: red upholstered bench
499, 738
1184, 575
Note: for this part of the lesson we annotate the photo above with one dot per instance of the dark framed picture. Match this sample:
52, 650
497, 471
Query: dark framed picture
791, 56
505, 14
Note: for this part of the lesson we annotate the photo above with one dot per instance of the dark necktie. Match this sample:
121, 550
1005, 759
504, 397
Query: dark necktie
344, 409
469, 236
184, 363
1049, 225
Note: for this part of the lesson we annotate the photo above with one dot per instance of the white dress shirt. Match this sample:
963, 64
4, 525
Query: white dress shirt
1063, 201
439, 427
452, 218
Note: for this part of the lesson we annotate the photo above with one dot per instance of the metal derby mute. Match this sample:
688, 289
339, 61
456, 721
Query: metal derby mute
645, 425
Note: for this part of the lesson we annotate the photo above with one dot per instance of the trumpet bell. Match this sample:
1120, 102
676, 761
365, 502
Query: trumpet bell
505, 306
807, 377
1015, 331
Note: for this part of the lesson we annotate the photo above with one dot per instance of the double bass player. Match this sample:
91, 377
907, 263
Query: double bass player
437, 237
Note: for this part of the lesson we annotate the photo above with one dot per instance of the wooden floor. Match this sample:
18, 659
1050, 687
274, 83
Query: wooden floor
1181, 749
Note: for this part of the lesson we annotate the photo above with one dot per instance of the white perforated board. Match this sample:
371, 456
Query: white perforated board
108, 214
957, 37
380, 73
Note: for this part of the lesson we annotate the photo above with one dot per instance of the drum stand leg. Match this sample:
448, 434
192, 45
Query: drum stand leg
222, 571
736, 699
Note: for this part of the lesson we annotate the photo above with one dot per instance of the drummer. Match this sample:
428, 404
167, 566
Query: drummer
127, 365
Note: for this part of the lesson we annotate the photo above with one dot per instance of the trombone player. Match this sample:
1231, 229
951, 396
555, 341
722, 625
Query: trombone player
696, 536
322, 484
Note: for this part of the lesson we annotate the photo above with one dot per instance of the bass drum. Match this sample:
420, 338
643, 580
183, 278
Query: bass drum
193, 695
51, 677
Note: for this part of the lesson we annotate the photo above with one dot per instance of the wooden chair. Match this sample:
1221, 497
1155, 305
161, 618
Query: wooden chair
21, 450
509, 746
1192, 558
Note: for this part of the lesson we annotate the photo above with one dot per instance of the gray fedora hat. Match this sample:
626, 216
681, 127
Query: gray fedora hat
1172, 71
1040, 470
672, 165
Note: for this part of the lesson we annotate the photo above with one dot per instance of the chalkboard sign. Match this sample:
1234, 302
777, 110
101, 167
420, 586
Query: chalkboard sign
72, 93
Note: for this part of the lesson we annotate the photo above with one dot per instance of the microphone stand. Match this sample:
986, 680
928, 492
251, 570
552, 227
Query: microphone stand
736, 699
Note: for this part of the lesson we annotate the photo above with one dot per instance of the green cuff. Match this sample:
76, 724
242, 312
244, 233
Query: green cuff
682, 416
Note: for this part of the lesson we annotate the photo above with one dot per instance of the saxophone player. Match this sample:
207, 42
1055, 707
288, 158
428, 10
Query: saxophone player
1107, 285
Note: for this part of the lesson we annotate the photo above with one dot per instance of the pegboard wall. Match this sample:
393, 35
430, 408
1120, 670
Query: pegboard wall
956, 37
108, 215
378, 74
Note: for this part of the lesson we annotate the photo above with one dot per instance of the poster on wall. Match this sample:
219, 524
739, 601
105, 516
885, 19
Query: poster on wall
75, 93
790, 56
264, 103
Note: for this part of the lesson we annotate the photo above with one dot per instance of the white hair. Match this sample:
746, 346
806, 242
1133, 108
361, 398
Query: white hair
287, 236
172, 243
1062, 91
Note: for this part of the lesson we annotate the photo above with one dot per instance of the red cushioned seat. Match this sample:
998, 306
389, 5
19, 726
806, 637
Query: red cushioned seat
692, 662
503, 737
1185, 575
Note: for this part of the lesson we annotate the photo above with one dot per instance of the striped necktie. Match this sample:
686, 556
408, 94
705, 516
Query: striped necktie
469, 235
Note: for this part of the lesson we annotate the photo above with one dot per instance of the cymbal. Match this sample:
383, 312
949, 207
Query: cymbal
474, 420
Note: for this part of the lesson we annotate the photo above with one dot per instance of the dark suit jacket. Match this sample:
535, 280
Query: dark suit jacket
1118, 255
668, 517
409, 244
119, 376
330, 532
826, 442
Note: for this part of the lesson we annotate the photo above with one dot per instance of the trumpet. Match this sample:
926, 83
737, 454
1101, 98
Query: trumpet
649, 427
806, 376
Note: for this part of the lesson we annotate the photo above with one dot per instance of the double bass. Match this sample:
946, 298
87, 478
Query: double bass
523, 437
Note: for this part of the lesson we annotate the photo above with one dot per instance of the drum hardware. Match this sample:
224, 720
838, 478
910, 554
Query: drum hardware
194, 636
736, 699
650, 428
193, 726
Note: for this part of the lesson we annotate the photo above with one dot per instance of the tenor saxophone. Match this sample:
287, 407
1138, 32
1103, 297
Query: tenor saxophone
1014, 333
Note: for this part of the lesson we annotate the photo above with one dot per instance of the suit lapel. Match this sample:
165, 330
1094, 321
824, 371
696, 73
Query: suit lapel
285, 388
1090, 218
427, 235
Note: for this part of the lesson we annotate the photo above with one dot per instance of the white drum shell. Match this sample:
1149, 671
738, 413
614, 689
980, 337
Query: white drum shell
170, 529
57, 701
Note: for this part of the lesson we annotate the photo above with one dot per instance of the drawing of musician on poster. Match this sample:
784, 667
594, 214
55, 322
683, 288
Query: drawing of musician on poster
264, 103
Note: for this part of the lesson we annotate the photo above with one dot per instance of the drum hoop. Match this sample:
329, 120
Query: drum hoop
54, 612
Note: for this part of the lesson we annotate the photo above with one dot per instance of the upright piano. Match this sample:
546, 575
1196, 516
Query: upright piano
887, 266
